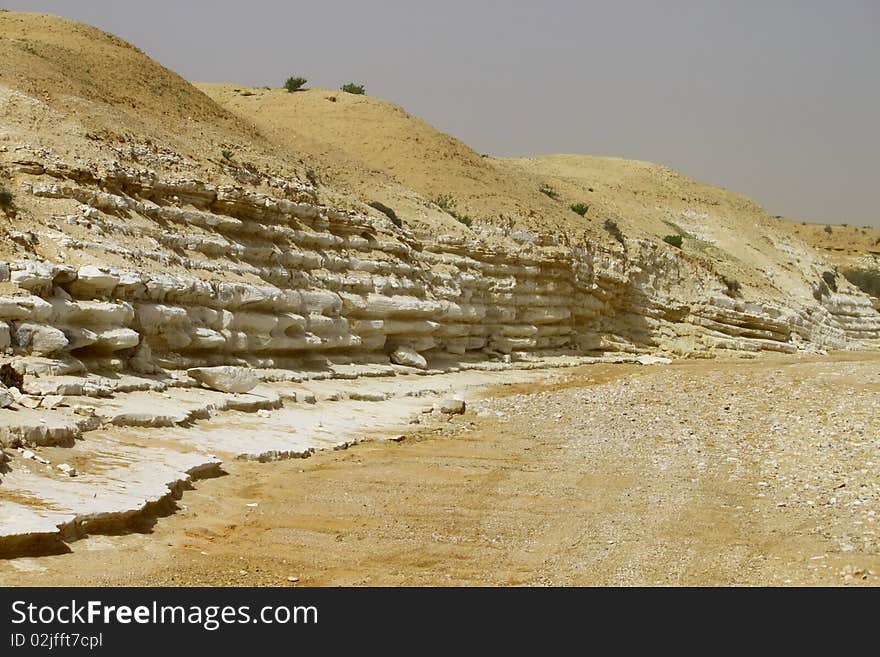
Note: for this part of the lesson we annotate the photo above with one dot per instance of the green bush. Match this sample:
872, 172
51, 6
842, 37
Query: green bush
549, 191
294, 84
445, 202
352, 88
227, 155
580, 208
674, 240
5, 198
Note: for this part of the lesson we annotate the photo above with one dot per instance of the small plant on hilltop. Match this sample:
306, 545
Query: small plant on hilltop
580, 208
294, 84
547, 190
352, 88
828, 229
227, 155
445, 202
5, 198
674, 240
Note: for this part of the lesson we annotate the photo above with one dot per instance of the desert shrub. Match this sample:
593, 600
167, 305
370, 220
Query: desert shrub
11, 377
580, 208
828, 230
547, 190
294, 84
352, 88
388, 212
227, 155
674, 240
731, 285
445, 202
830, 279
5, 198
614, 230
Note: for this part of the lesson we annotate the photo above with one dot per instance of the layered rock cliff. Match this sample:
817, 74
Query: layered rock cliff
270, 281
148, 231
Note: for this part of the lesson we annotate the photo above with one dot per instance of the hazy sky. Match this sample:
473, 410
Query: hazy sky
778, 99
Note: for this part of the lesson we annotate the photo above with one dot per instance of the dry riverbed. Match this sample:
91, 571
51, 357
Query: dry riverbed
698, 473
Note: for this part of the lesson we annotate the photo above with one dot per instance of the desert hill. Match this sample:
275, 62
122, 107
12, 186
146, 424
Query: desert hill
165, 249
373, 142
854, 251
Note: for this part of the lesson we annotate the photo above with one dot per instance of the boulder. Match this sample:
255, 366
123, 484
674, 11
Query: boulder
116, 339
452, 406
225, 378
90, 280
5, 335
29, 401
409, 357
40, 339
647, 359
6, 398
34, 275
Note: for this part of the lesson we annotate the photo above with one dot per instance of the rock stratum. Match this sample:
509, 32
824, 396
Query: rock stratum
189, 275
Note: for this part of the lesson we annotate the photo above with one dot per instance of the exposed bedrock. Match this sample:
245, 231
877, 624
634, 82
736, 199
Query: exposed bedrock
232, 277
171, 310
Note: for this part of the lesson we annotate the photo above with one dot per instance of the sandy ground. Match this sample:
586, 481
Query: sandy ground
700, 473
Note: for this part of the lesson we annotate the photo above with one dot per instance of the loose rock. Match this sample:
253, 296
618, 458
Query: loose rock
225, 378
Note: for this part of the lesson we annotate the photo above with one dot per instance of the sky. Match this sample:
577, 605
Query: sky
776, 99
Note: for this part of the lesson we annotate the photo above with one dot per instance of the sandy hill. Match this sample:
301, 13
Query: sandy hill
74, 78
363, 143
115, 162
381, 152
854, 251
836, 239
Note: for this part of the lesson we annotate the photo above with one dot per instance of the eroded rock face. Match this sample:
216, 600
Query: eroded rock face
249, 280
